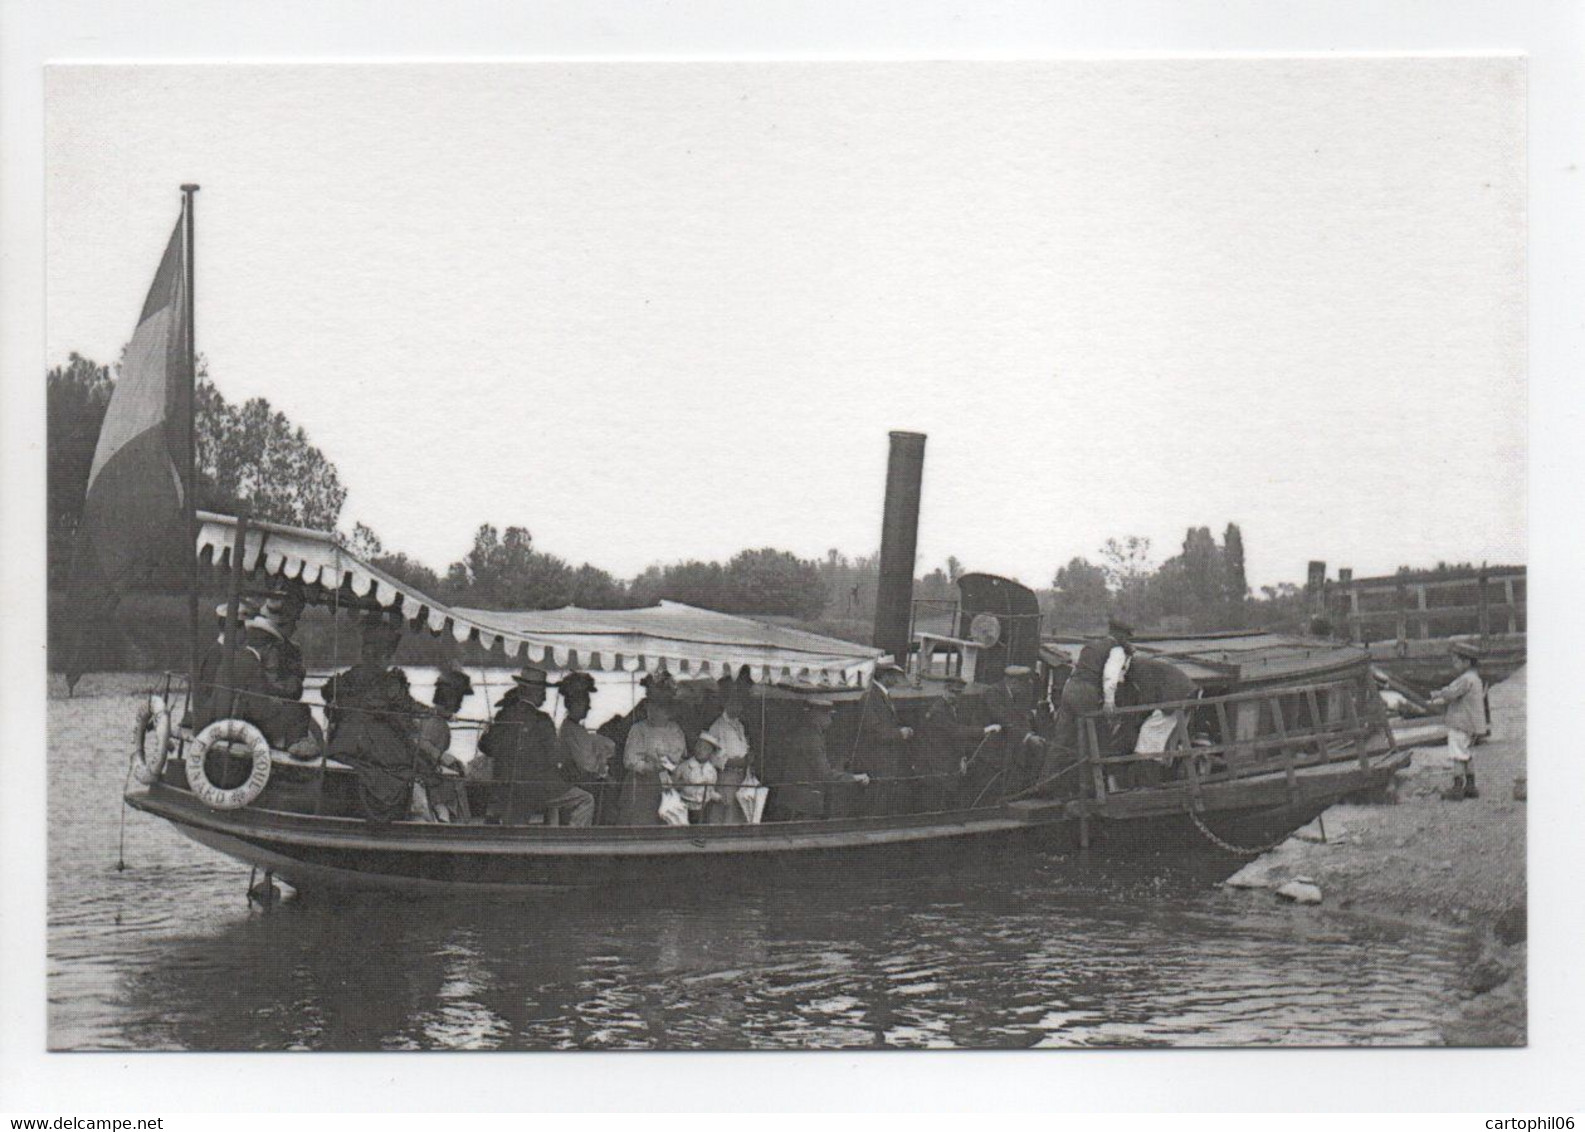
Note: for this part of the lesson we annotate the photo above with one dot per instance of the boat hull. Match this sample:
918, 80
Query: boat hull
318, 854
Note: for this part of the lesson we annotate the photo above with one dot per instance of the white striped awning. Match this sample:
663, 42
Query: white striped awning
680, 638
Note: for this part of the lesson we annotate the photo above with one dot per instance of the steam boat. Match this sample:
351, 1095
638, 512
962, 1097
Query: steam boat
1281, 729
1277, 730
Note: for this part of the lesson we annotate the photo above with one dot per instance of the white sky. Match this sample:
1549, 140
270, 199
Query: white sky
655, 311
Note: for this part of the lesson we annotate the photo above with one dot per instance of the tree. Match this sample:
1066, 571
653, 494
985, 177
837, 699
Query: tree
1081, 596
1203, 572
1237, 585
367, 545
75, 401
506, 572
252, 456
692, 583
764, 581
774, 581
1125, 561
364, 542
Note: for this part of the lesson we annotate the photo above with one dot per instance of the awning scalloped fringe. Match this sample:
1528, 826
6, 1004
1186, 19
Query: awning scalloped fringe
316, 558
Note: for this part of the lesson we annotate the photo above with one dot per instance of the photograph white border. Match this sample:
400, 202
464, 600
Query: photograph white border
1543, 1076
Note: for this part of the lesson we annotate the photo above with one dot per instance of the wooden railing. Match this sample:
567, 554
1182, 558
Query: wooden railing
1412, 611
1314, 734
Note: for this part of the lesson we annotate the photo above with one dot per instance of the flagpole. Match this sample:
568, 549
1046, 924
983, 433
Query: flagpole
192, 459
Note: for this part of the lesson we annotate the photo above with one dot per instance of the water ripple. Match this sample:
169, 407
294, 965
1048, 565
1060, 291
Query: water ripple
1036, 952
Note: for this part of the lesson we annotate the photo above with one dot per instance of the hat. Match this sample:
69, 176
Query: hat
455, 678
265, 624
247, 608
1467, 651
377, 628
576, 684
284, 600
660, 685
532, 676
1118, 627
1016, 670
706, 737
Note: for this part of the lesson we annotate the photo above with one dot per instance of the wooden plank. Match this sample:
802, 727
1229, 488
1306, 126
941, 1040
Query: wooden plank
1227, 743
1338, 732
1196, 793
1285, 748
1425, 623
1352, 711
1320, 725
1095, 761
1432, 584
1435, 611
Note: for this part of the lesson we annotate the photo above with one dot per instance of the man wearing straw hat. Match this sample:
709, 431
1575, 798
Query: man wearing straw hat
269, 635
527, 753
211, 701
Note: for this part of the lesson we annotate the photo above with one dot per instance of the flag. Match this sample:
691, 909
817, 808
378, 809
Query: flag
134, 518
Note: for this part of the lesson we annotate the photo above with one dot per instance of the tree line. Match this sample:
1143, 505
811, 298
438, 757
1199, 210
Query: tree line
250, 454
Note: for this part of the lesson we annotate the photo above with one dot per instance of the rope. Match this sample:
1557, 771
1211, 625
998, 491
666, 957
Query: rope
121, 840
1046, 781
984, 739
991, 782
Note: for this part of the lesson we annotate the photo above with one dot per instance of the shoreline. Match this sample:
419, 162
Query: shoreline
1421, 860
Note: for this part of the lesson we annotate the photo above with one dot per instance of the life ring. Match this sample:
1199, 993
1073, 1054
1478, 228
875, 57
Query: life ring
147, 765
230, 732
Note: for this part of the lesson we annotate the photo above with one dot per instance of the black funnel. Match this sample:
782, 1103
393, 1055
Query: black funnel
899, 542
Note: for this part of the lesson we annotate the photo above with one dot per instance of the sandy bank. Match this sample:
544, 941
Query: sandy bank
1426, 859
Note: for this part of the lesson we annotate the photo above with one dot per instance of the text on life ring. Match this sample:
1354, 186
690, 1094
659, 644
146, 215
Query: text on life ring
230, 732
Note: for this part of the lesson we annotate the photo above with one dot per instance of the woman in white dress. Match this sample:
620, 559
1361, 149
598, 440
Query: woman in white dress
655, 746
728, 743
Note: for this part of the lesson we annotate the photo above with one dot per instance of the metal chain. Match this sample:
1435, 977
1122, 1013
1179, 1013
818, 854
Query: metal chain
1220, 843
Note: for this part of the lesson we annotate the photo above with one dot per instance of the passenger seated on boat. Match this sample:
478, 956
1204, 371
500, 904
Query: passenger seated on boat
941, 750
440, 794
373, 723
527, 754
586, 756
695, 777
289, 725
655, 747
805, 793
727, 745
212, 697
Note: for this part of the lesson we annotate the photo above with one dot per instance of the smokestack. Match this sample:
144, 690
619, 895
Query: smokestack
899, 540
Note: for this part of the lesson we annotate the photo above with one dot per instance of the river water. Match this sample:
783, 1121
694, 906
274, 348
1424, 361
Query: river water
1045, 950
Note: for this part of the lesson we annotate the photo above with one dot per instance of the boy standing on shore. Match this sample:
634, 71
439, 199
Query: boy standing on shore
1464, 699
